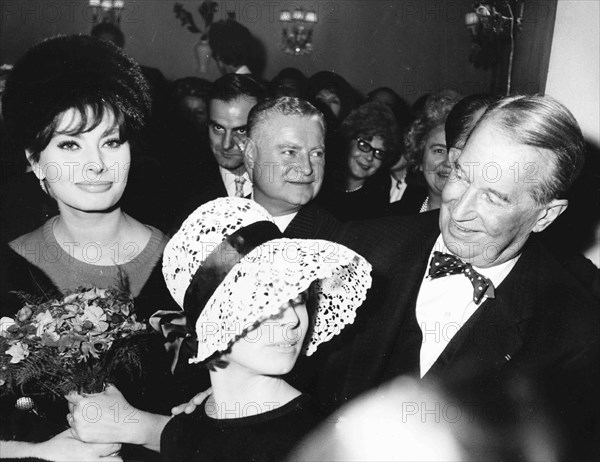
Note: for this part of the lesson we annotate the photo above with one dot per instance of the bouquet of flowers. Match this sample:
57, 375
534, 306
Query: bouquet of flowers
61, 345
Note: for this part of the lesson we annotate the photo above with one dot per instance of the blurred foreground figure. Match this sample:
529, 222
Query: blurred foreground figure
410, 420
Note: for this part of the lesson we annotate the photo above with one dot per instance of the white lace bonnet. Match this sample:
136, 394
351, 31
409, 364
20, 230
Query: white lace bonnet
265, 279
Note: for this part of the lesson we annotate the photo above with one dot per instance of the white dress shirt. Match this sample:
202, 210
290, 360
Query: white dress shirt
243, 70
229, 181
398, 187
445, 304
283, 221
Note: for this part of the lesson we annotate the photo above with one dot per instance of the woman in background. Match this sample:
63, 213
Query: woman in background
333, 91
355, 190
289, 82
426, 151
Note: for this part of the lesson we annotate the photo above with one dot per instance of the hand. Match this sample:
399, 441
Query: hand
192, 404
62, 447
104, 417
107, 417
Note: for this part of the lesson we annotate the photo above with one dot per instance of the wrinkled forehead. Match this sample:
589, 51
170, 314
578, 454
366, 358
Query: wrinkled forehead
495, 156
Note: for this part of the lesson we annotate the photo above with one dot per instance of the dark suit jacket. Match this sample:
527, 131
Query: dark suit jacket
410, 203
313, 222
208, 186
542, 324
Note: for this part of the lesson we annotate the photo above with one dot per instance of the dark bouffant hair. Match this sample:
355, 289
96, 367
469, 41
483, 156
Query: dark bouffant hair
230, 42
325, 80
73, 72
434, 113
374, 119
289, 82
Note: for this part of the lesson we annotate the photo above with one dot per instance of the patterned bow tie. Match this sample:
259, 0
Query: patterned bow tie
239, 186
444, 264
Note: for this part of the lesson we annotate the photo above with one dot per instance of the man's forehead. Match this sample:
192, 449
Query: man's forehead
292, 126
233, 108
494, 157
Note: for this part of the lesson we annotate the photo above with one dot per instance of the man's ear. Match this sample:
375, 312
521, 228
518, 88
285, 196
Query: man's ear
249, 155
453, 154
35, 166
549, 213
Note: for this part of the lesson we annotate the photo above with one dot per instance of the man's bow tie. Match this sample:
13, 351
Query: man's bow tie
444, 264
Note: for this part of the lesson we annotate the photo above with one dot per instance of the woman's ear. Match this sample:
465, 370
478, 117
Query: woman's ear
35, 166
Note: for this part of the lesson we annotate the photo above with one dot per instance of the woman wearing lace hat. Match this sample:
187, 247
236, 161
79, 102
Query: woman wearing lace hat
255, 301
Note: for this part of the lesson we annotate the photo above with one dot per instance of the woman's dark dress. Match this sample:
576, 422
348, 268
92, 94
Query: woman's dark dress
266, 437
149, 388
368, 202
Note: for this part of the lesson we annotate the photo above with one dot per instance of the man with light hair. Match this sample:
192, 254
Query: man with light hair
285, 158
468, 294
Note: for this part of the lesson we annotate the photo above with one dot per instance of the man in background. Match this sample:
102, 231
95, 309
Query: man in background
223, 173
230, 44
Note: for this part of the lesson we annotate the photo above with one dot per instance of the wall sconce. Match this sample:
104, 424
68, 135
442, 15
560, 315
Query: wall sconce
297, 31
106, 10
490, 23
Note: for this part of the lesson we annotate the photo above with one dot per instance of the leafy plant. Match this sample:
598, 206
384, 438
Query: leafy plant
207, 11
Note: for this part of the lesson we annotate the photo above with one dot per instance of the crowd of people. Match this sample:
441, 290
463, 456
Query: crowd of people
256, 221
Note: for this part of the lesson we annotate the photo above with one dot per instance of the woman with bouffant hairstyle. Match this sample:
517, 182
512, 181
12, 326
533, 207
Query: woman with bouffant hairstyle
371, 138
425, 146
74, 106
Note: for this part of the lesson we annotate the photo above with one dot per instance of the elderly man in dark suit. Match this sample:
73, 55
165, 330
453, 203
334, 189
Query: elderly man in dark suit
285, 158
482, 299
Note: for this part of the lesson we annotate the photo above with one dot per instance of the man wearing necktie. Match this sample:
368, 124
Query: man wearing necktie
483, 299
224, 174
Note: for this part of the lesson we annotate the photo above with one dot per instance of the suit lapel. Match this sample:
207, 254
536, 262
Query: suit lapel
494, 334
214, 185
390, 299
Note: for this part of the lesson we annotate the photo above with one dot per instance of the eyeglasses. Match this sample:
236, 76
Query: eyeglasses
364, 146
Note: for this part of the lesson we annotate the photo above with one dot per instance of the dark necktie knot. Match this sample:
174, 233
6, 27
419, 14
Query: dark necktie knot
444, 264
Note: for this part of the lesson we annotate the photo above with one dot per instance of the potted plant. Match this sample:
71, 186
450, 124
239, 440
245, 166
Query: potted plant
207, 11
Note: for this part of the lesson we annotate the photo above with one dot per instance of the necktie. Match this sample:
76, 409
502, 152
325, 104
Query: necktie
444, 264
239, 186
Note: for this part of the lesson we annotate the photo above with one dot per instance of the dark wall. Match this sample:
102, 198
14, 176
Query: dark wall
413, 46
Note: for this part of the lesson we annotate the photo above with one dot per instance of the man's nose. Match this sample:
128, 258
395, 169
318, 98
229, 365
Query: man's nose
465, 205
228, 141
305, 165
